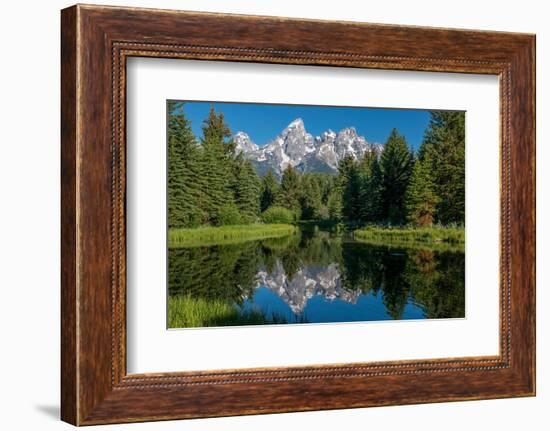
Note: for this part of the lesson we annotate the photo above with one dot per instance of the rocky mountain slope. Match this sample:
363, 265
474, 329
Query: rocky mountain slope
296, 147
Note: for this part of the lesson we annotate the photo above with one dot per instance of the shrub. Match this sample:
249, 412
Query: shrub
228, 215
276, 214
248, 219
195, 218
323, 213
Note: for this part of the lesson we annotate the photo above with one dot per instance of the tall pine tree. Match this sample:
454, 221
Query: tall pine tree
246, 189
421, 200
311, 199
184, 177
270, 190
216, 166
395, 167
290, 191
445, 140
350, 186
369, 194
334, 205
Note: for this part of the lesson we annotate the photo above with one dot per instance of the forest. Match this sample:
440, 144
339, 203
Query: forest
210, 185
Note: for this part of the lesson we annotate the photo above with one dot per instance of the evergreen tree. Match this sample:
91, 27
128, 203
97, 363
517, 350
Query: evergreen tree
269, 191
395, 167
184, 187
369, 193
445, 140
311, 199
376, 191
421, 199
216, 165
326, 184
247, 187
350, 186
334, 205
352, 194
290, 192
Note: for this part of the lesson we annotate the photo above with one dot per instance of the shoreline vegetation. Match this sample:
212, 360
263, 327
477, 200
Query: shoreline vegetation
223, 235
444, 238
185, 311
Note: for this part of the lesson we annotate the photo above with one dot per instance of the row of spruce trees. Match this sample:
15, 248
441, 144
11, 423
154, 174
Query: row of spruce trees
209, 184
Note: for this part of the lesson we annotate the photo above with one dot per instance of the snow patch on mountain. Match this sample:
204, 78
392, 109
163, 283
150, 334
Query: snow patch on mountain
243, 143
295, 147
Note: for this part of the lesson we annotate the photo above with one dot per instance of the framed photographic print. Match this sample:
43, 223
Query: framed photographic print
258, 208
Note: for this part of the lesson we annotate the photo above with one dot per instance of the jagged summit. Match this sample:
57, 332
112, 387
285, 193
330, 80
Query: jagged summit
243, 143
298, 124
296, 147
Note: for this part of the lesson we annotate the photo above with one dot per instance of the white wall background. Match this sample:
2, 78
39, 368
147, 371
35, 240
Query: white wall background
29, 215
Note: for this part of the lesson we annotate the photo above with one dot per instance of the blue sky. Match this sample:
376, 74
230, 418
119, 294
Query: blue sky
263, 122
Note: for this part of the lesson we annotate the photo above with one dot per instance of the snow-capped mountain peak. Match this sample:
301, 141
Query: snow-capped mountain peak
243, 143
348, 132
295, 147
297, 124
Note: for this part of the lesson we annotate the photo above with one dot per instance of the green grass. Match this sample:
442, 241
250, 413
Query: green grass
222, 235
414, 245
437, 237
187, 312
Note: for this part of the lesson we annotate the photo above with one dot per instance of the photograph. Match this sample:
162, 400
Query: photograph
288, 214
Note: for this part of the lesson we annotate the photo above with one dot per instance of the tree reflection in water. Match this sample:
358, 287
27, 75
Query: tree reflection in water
319, 264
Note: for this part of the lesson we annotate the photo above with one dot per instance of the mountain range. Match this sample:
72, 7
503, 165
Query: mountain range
296, 147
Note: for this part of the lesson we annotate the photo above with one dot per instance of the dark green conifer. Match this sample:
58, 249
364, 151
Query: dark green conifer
246, 188
216, 165
445, 139
349, 182
290, 191
369, 193
183, 183
334, 205
395, 167
269, 191
311, 199
420, 199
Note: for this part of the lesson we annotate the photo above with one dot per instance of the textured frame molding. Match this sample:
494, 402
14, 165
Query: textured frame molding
96, 41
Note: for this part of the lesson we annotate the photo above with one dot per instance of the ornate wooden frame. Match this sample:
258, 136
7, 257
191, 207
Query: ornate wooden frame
95, 43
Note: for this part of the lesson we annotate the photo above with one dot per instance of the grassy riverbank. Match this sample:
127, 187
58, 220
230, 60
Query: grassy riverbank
207, 236
187, 312
452, 238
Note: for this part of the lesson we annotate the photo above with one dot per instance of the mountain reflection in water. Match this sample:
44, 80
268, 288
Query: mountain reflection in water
321, 276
